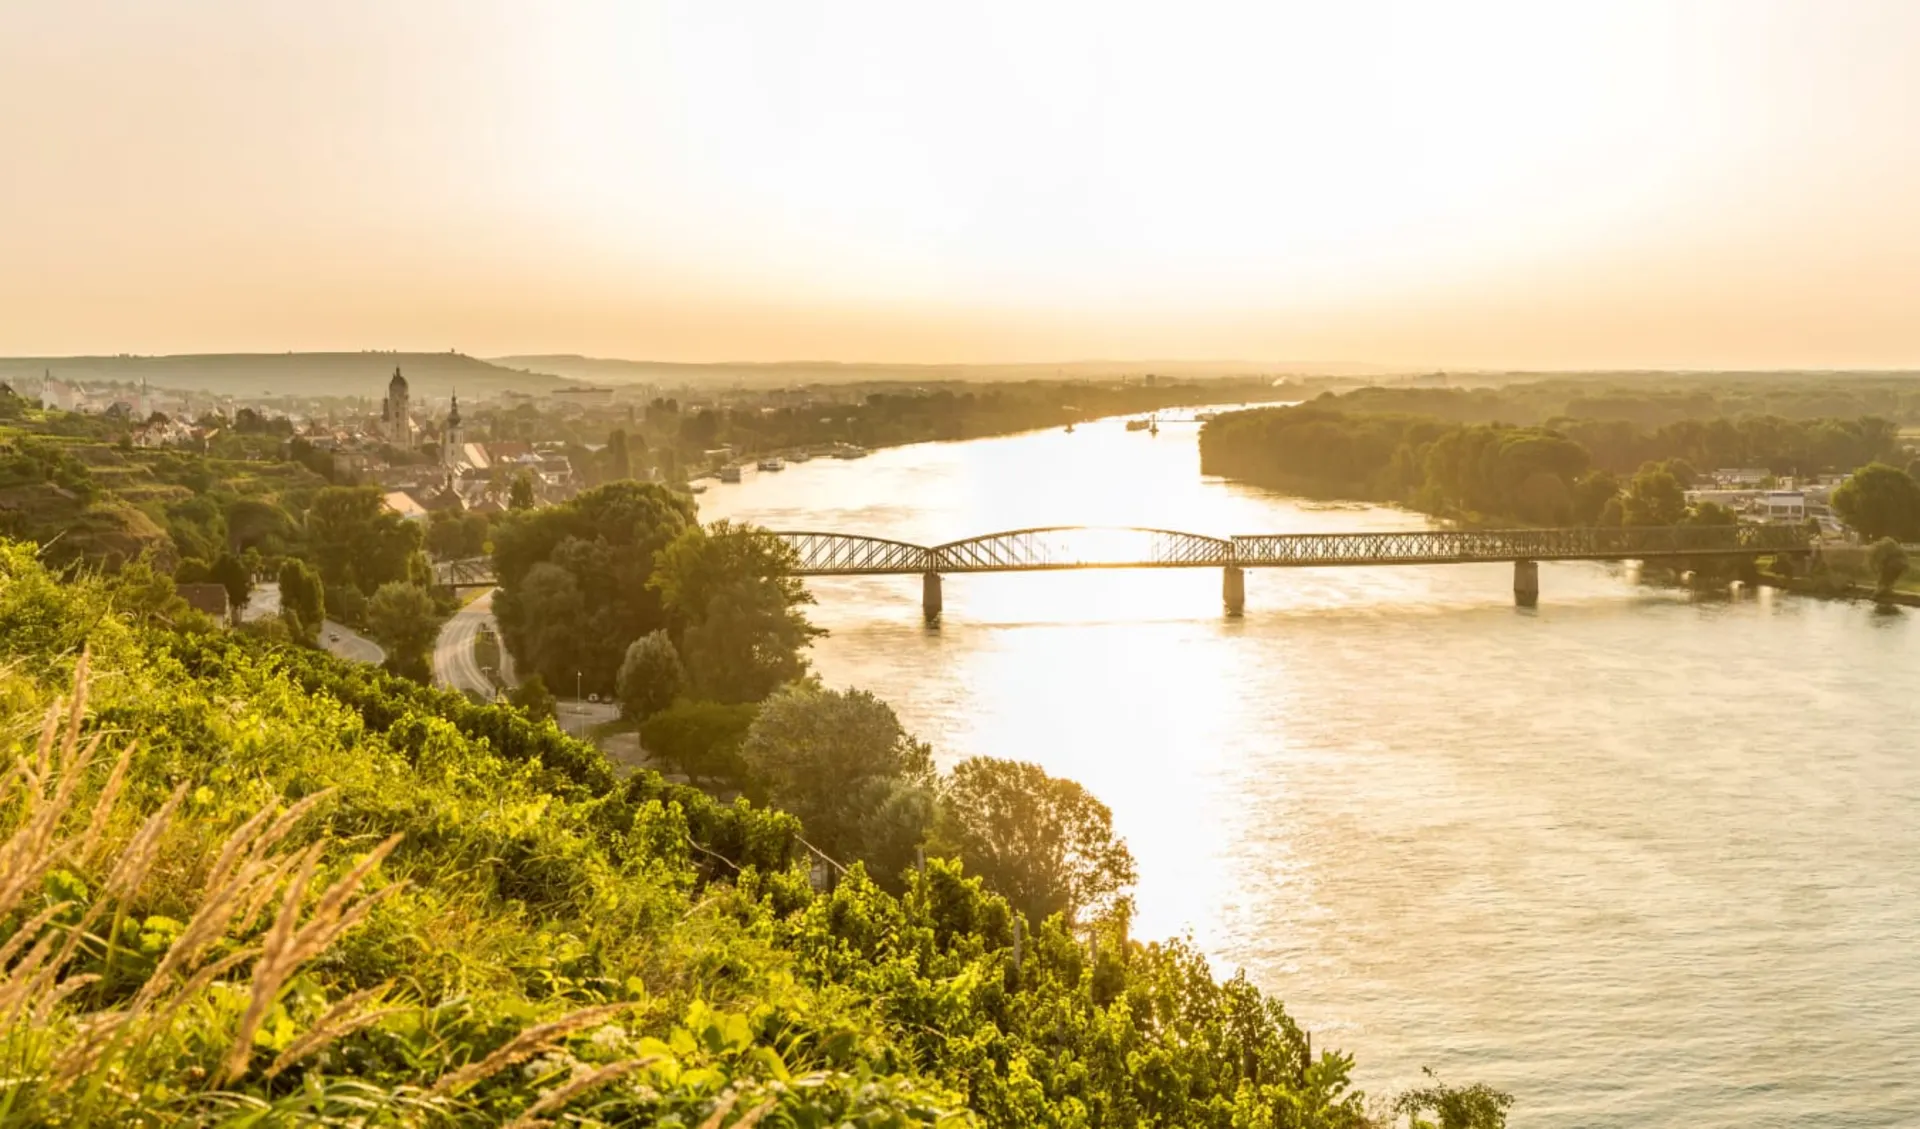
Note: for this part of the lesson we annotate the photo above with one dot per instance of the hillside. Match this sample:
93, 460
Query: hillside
728, 374
284, 374
302, 892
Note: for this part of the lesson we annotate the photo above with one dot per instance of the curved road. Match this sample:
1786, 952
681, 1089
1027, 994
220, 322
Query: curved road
453, 662
337, 638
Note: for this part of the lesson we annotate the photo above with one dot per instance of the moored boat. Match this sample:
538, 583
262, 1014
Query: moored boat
730, 473
772, 464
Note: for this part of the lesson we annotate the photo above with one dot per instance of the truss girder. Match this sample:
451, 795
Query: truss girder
1456, 546
1023, 550
850, 554
1068, 547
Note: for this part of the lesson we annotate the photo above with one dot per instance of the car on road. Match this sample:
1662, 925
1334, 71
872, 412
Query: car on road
333, 637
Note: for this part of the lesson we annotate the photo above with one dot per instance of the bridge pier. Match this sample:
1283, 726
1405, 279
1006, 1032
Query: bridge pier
1233, 589
1526, 583
930, 595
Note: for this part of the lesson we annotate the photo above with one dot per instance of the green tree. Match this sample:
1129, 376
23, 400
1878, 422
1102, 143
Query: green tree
1880, 501
256, 524
1043, 843
604, 541
651, 676
356, 541
302, 598
545, 621
731, 594
1887, 561
1591, 494
404, 619
1654, 497
840, 760
520, 494
747, 645
446, 534
230, 573
701, 740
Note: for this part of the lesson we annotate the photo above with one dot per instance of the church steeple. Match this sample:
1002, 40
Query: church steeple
450, 438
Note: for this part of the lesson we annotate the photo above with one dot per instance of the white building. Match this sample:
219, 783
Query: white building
1783, 506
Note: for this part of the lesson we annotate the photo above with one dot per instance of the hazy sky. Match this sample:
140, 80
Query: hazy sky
1667, 183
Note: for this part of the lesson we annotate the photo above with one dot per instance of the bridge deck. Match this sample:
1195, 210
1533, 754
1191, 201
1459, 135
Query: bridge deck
1078, 547
1037, 550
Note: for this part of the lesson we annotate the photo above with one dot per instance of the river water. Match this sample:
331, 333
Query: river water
1642, 858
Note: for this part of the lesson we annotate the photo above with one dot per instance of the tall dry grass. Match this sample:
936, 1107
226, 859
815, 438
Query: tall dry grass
70, 1053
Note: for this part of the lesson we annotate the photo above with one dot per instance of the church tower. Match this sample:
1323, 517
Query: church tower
451, 439
396, 421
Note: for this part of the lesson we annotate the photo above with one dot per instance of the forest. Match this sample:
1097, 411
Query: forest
1567, 471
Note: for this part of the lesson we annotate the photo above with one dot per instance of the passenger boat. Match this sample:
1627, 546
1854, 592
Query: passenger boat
730, 474
772, 464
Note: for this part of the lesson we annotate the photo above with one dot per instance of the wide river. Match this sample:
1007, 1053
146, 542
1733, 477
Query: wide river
1640, 858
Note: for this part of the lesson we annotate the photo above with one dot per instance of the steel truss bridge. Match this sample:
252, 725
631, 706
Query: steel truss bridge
1079, 547
1054, 548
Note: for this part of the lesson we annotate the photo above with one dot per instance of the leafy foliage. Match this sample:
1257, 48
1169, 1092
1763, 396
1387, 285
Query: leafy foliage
1880, 501
702, 741
651, 676
404, 619
574, 579
840, 760
730, 592
493, 926
357, 542
1887, 561
1042, 842
303, 601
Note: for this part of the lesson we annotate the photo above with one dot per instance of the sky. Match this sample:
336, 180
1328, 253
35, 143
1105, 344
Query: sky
1539, 184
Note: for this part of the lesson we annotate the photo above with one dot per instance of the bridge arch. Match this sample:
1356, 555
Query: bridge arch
1081, 546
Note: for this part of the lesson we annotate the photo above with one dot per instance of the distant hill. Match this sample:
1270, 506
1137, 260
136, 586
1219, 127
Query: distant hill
430, 375
731, 373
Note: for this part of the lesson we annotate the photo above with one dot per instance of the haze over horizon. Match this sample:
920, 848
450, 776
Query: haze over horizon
1470, 186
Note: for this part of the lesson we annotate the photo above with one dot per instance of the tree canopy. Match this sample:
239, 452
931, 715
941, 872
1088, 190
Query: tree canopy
574, 589
403, 618
840, 760
356, 541
1880, 501
1043, 842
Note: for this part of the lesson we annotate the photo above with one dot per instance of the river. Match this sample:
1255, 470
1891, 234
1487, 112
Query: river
1641, 858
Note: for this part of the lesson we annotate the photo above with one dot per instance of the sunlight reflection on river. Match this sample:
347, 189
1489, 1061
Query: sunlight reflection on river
1642, 858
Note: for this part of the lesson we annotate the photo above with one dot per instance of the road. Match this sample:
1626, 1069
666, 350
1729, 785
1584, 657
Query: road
337, 638
453, 662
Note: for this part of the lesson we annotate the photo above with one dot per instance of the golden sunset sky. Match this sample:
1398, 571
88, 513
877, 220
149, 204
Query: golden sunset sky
1534, 184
